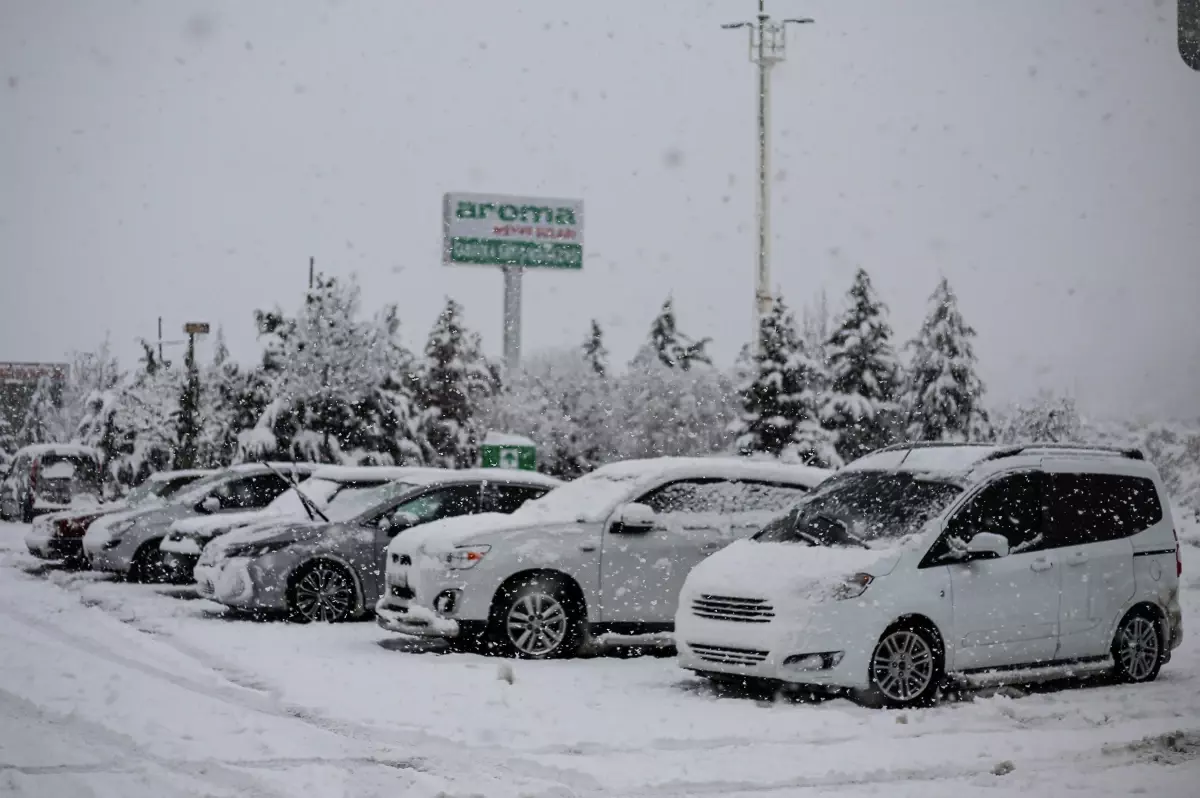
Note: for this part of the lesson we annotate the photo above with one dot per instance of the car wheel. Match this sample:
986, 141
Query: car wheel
27, 511
147, 565
907, 667
322, 592
536, 619
1138, 648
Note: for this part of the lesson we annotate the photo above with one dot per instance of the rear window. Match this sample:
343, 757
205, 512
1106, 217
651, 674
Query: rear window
1090, 508
69, 467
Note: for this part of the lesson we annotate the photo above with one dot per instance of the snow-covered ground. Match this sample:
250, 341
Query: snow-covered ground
112, 689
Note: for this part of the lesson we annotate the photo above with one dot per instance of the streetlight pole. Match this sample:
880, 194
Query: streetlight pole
768, 46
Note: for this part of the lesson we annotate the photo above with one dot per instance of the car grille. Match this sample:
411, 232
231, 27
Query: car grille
729, 608
723, 655
401, 592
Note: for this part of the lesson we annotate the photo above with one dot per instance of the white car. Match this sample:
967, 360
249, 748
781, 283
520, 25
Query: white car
607, 552
917, 564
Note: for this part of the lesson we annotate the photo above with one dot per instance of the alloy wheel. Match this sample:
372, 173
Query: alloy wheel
902, 666
324, 594
1139, 647
537, 624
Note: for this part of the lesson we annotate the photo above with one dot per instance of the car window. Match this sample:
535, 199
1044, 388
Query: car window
1010, 506
1090, 508
690, 496
443, 503
500, 498
251, 493
769, 496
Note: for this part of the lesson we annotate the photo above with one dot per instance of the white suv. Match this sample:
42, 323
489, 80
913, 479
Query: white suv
606, 552
922, 563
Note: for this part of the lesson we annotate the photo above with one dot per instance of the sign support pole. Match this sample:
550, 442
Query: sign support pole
512, 316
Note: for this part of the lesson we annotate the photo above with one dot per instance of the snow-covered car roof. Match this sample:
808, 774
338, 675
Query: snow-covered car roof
429, 476
282, 467
371, 473
167, 476
38, 449
716, 467
963, 459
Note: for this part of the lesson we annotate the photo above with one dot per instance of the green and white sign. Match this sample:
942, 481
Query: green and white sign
514, 452
503, 230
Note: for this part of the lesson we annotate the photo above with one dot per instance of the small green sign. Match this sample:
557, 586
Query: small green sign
490, 252
515, 452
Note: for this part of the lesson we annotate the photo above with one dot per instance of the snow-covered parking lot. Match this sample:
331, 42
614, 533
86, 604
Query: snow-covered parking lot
112, 689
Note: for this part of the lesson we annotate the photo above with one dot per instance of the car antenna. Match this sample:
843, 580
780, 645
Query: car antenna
309, 505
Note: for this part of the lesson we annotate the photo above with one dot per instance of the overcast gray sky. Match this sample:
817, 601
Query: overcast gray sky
186, 158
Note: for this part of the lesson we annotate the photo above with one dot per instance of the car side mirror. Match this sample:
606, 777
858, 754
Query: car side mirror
986, 546
211, 504
636, 517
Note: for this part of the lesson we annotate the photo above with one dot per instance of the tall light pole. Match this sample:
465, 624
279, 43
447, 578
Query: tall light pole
768, 46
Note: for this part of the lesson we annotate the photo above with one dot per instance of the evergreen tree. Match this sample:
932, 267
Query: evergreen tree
455, 381
864, 373
671, 347
594, 352
664, 412
780, 399
40, 424
943, 396
186, 417
1046, 418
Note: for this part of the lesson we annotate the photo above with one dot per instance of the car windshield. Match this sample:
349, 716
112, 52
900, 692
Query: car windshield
200, 488
319, 491
361, 498
854, 508
586, 499
147, 492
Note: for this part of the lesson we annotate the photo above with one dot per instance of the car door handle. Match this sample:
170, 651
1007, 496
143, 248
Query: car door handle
1041, 564
587, 546
1078, 558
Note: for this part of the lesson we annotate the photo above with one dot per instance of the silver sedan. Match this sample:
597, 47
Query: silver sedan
332, 569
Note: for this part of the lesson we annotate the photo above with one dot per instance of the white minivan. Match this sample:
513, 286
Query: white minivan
919, 564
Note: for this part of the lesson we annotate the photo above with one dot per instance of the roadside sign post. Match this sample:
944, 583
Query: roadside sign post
514, 452
514, 233
191, 330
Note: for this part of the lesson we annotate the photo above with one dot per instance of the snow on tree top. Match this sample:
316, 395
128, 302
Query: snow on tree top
719, 467
506, 439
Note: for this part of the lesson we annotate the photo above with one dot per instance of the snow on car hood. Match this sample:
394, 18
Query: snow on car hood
268, 529
784, 572
444, 535
204, 526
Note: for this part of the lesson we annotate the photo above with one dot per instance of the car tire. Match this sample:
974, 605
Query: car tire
322, 592
27, 511
1139, 647
907, 668
538, 618
147, 565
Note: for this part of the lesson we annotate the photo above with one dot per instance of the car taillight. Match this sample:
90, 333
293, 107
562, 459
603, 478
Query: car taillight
1178, 558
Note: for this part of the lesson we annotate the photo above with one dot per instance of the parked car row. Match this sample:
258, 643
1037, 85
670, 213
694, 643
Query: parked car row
914, 565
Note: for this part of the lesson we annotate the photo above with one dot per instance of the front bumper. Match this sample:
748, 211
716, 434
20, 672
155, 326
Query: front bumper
763, 651
42, 543
117, 559
414, 621
244, 583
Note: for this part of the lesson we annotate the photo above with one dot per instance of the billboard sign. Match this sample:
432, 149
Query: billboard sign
503, 230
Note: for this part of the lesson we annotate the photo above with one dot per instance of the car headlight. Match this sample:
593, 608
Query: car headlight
853, 586
257, 549
464, 556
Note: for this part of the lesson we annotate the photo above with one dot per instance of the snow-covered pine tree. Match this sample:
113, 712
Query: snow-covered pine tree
186, 417
41, 421
455, 382
781, 397
388, 433
864, 373
671, 347
816, 326
943, 394
593, 350
331, 384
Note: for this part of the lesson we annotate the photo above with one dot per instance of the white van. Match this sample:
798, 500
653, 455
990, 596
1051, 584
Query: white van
922, 563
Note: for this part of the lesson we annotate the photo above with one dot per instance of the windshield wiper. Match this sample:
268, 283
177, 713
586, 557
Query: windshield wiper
310, 506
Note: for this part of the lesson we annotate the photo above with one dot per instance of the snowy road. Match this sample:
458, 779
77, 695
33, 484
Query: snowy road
111, 689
